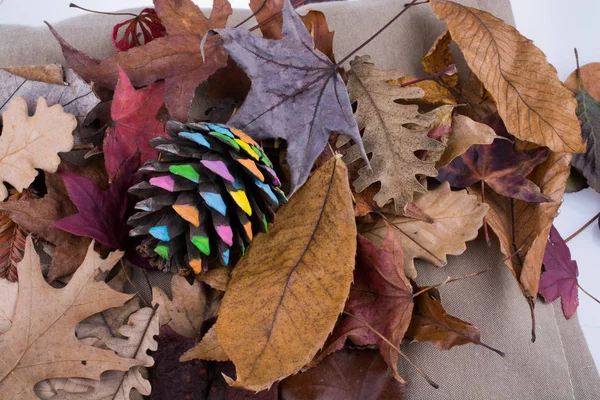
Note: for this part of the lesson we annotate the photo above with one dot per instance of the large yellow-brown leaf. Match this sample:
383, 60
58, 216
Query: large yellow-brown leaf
208, 349
533, 103
286, 294
457, 217
34, 142
41, 342
522, 227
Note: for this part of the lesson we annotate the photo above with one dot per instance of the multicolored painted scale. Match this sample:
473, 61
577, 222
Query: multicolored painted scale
212, 189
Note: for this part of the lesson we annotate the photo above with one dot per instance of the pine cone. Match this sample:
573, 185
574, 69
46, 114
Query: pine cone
211, 191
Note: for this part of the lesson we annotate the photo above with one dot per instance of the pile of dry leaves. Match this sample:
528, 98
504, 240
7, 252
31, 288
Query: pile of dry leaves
380, 169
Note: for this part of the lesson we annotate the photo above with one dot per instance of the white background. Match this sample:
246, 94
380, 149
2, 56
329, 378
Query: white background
556, 26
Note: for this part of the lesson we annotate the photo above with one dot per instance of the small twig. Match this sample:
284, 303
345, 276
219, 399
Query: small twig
450, 280
101, 12
531, 308
253, 14
582, 228
586, 292
449, 70
419, 370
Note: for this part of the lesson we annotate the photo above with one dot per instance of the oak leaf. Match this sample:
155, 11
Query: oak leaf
50, 348
297, 93
456, 215
176, 58
500, 166
523, 228
9, 291
74, 94
345, 375
134, 123
439, 57
34, 142
208, 349
387, 136
381, 296
465, 133
148, 23
302, 269
185, 313
532, 101
559, 278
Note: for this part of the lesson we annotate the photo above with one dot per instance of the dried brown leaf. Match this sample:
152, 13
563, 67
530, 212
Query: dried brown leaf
208, 349
439, 57
50, 73
217, 278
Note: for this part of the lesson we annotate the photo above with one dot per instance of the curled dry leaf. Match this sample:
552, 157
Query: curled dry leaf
34, 142
185, 313
149, 24
50, 73
345, 375
380, 296
49, 315
74, 94
302, 269
176, 58
208, 349
523, 227
465, 133
535, 106
386, 135
439, 57
217, 278
297, 93
457, 217
560, 274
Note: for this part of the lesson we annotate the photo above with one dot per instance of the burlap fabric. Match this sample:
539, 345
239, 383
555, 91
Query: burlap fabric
557, 366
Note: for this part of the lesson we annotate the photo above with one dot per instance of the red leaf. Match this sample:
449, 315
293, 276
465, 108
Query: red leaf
134, 123
560, 274
148, 22
499, 165
381, 295
101, 213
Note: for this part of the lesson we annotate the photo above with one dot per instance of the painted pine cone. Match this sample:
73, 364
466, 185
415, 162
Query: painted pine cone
211, 191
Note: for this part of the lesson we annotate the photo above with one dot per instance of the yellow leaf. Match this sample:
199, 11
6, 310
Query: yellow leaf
34, 142
41, 342
286, 294
439, 57
433, 92
457, 217
533, 103
208, 349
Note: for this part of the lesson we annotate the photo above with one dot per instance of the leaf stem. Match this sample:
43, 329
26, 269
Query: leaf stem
450, 280
416, 367
101, 12
586, 292
449, 70
531, 308
582, 228
359, 48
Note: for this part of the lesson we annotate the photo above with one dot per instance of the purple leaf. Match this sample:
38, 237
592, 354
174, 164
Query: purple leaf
560, 274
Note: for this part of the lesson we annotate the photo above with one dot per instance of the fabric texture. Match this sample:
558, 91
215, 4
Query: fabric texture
557, 366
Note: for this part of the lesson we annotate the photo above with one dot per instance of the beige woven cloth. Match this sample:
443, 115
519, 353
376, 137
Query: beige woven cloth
558, 366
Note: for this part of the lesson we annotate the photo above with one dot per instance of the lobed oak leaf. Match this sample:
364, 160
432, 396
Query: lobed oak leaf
175, 58
185, 312
381, 295
500, 166
147, 21
302, 269
533, 103
33, 142
559, 278
455, 219
392, 133
50, 348
345, 375
296, 94
134, 123
9, 292
101, 213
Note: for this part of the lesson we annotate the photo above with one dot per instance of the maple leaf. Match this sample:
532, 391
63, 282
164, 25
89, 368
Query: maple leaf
500, 166
387, 136
101, 213
559, 278
176, 58
48, 316
133, 113
344, 375
74, 94
381, 295
296, 94
147, 21
454, 217
33, 142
